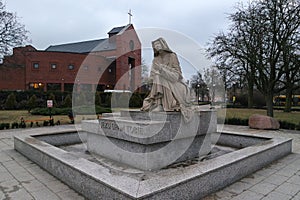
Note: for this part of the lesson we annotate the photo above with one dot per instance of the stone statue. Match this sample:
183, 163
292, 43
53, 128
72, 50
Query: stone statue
168, 92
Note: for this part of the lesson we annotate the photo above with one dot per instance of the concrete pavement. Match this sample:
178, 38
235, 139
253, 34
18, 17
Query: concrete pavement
22, 179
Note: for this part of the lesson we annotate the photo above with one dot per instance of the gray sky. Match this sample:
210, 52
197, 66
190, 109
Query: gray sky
62, 21
53, 22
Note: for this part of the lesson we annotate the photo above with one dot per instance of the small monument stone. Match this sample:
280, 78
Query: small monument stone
263, 122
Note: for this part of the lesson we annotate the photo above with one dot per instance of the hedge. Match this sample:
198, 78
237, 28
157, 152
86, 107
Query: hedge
65, 111
27, 100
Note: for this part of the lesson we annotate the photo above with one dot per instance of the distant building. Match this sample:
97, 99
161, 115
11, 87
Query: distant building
102, 64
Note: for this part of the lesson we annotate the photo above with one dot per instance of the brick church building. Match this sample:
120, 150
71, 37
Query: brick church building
109, 63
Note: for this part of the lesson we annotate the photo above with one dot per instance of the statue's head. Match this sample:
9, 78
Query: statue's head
160, 44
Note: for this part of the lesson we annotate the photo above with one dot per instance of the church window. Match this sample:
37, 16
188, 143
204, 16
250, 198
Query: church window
35, 65
71, 67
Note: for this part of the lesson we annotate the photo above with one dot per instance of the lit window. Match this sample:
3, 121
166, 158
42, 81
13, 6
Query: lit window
71, 67
35, 65
53, 66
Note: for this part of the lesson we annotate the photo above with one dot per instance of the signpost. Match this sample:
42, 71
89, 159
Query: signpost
50, 105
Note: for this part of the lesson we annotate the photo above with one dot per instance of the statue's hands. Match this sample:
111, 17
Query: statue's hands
156, 68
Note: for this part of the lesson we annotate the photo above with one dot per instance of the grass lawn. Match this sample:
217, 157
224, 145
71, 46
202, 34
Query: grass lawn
293, 117
10, 116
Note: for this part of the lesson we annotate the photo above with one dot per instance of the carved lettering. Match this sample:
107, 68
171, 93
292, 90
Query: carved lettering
127, 128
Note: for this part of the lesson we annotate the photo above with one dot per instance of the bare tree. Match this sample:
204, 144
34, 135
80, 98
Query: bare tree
12, 33
262, 39
200, 87
279, 24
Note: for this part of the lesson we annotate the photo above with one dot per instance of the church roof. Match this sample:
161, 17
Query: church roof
116, 30
83, 47
89, 46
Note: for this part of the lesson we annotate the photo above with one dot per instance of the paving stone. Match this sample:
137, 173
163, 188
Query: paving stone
70, 195
35, 169
45, 177
248, 195
289, 158
263, 188
266, 172
57, 186
19, 194
238, 187
296, 197
5, 158
277, 196
288, 188
13, 165
5, 176
33, 185
276, 179
3, 169
253, 178
224, 195
277, 165
10, 185
21, 176
2, 195
287, 171
44, 194
294, 180
295, 165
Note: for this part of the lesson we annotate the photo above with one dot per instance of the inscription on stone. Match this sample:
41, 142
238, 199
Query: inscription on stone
112, 125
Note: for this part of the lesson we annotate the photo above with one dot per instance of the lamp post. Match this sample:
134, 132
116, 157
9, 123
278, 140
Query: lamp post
198, 94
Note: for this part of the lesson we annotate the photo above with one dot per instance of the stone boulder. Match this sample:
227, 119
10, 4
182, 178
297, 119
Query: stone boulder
263, 122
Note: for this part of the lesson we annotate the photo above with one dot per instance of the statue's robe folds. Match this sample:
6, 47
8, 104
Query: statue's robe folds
168, 88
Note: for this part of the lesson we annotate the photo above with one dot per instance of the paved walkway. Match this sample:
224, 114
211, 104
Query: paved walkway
22, 179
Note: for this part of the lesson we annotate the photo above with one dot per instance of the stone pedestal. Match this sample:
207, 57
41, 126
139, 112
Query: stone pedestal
150, 141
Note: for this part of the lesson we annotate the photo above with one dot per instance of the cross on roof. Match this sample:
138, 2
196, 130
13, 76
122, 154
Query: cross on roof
130, 16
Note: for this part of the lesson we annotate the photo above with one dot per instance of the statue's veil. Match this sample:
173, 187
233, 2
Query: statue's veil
163, 43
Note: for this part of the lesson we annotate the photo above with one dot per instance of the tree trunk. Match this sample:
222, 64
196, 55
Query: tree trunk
250, 95
251, 79
269, 102
288, 100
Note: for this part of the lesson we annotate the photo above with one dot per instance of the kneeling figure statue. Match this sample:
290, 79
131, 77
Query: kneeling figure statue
168, 92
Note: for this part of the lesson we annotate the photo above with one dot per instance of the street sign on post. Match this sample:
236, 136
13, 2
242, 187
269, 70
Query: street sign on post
49, 103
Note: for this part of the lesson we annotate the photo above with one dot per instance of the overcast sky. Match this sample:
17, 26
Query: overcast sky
62, 21
53, 22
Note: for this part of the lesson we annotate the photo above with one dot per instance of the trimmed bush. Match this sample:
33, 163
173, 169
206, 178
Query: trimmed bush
98, 101
14, 125
237, 121
91, 110
66, 111
32, 102
135, 101
54, 111
67, 101
287, 125
11, 102
298, 127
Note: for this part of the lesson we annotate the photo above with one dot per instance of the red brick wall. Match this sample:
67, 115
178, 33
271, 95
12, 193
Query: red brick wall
17, 72
123, 52
86, 68
12, 71
12, 78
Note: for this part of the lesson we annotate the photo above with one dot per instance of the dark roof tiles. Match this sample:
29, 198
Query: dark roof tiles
88, 46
